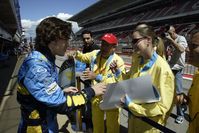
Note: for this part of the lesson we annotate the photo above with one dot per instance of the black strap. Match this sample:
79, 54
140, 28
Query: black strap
85, 83
152, 123
57, 66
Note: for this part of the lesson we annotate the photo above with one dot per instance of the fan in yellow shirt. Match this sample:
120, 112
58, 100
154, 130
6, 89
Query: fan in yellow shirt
194, 90
100, 71
147, 61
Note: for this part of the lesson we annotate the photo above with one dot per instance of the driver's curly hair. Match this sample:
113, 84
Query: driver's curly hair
51, 29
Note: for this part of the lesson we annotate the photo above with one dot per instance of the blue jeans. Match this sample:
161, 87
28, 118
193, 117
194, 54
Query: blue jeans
179, 89
178, 80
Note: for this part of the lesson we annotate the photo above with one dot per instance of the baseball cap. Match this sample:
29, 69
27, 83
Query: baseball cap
110, 38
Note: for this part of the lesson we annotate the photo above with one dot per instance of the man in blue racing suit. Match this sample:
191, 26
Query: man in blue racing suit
38, 93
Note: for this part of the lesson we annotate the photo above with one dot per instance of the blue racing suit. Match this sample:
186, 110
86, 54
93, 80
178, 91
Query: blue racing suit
40, 96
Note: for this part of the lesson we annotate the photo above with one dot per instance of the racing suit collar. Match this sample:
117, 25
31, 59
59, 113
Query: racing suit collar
49, 55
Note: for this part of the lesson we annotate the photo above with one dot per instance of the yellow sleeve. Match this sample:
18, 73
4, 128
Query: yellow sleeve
86, 58
166, 89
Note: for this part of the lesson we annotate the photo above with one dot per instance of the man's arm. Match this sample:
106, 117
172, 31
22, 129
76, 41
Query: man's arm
181, 45
178, 46
42, 85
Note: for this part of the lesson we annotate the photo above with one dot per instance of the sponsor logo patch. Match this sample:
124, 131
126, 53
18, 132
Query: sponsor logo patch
52, 88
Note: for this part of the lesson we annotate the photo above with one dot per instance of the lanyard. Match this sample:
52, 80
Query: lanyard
150, 63
100, 63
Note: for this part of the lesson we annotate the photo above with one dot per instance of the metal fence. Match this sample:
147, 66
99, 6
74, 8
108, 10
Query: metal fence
189, 69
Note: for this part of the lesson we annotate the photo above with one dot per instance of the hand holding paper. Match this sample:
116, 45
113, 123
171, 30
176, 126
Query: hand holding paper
99, 89
139, 89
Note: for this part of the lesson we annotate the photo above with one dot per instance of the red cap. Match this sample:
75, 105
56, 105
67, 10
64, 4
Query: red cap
110, 38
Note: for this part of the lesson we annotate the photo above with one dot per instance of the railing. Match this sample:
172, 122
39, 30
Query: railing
189, 71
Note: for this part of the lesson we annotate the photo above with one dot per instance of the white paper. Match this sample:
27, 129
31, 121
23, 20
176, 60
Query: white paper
140, 90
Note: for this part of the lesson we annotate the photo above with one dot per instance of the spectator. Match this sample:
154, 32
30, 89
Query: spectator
147, 62
88, 46
194, 90
38, 93
99, 61
88, 40
177, 64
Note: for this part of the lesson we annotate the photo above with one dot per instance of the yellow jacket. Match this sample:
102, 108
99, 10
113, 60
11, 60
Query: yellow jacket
193, 104
100, 65
163, 80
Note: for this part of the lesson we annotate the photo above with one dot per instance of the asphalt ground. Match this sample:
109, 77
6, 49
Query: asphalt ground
10, 113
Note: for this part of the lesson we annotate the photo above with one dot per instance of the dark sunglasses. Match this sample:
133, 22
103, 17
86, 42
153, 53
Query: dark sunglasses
135, 41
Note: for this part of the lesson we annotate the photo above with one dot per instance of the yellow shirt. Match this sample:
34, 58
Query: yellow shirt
100, 66
163, 80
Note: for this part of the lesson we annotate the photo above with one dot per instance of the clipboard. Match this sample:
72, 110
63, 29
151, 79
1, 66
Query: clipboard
140, 90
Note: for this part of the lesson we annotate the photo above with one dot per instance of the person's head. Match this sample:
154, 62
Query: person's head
108, 44
87, 37
194, 48
53, 34
141, 25
143, 40
172, 32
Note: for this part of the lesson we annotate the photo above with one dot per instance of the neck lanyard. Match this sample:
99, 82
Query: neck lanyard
100, 63
150, 63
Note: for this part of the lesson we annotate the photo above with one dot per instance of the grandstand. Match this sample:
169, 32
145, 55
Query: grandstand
10, 26
121, 16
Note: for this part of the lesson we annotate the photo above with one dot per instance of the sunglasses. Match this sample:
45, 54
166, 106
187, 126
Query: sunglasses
135, 41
